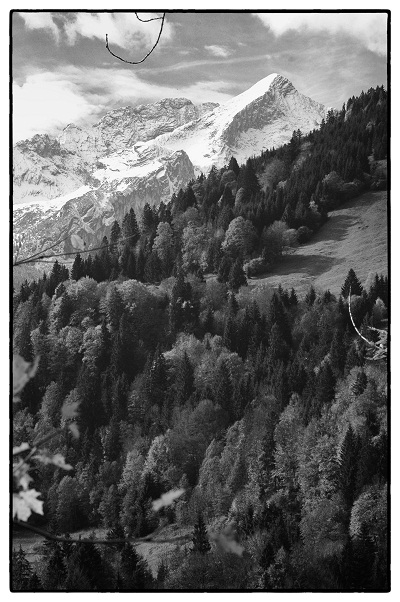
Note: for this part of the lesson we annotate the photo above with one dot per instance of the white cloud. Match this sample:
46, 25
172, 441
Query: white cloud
46, 102
41, 21
222, 51
369, 28
123, 29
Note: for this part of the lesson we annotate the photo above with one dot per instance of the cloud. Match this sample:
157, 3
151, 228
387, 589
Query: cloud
46, 101
368, 28
41, 21
222, 51
123, 29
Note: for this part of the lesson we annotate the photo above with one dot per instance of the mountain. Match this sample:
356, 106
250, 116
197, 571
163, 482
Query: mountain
88, 177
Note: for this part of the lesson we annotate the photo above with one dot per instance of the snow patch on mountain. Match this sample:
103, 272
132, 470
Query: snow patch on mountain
88, 177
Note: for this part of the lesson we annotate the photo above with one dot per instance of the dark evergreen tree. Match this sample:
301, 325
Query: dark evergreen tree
310, 297
56, 570
130, 229
224, 269
184, 382
133, 570
21, 570
237, 277
200, 541
78, 268
353, 283
360, 384
234, 166
324, 388
347, 465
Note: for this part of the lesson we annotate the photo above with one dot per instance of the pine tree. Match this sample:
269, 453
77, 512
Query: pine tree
200, 541
310, 296
234, 166
347, 465
56, 571
133, 570
130, 229
229, 337
353, 283
293, 298
115, 236
224, 389
324, 388
360, 384
224, 269
184, 381
237, 277
78, 268
21, 570
233, 306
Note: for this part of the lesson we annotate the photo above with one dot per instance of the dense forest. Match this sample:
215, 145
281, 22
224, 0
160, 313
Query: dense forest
267, 409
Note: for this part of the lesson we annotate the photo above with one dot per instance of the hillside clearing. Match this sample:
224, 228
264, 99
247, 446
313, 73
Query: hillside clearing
355, 236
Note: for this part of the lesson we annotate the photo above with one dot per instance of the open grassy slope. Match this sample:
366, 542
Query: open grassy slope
355, 236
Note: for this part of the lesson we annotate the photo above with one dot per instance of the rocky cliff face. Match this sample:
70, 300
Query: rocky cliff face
88, 177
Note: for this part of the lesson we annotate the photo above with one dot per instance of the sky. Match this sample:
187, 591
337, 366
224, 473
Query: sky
62, 72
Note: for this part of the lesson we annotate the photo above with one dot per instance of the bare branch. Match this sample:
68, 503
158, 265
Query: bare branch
36, 258
149, 53
135, 541
371, 343
146, 20
380, 348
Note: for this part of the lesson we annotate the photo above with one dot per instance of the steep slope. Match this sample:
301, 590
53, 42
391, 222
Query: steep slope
263, 116
355, 236
90, 176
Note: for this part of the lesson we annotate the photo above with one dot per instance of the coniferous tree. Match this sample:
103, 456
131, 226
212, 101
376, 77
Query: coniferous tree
229, 338
130, 229
224, 269
185, 380
311, 296
200, 541
324, 388
56, 571
360, 384
133, 570
347, 465
237, 277
21, 570
353, 283
78, 268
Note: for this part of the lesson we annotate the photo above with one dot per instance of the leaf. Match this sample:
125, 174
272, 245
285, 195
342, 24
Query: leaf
69, 410
21, 448
73, 427
22, 372
226, 541
77, 242
167, 499
25, 480
56, 459
25, 502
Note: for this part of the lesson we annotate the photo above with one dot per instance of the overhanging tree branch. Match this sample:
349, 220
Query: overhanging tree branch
149, 53
36, 258
380, 347
135, 541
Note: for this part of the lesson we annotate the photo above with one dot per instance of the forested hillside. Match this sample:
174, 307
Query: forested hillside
265, 406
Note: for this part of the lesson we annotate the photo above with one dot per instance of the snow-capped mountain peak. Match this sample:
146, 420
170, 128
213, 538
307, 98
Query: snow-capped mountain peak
87, 177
